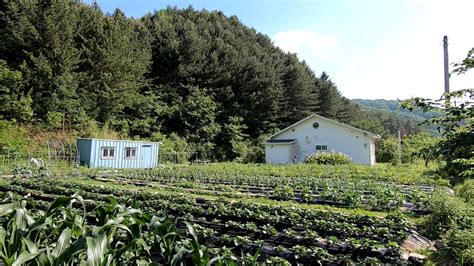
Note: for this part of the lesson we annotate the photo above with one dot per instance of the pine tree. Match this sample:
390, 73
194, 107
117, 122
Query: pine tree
329, 97
195, 74
116, 57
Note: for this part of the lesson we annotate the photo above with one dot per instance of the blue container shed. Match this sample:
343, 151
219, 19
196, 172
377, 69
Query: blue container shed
106, 153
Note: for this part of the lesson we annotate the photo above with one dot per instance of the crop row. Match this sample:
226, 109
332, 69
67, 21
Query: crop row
405, 174
261, 180
224, 247
281, 216
63, 232
280, 228
354, 194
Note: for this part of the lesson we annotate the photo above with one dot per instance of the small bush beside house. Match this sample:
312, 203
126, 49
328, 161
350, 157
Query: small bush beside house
333, 158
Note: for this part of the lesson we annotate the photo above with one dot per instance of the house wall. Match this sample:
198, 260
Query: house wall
119, 161
279, 153
338, 138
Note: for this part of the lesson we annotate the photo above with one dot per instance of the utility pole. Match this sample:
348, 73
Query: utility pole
446, 69
446, 64
399, 146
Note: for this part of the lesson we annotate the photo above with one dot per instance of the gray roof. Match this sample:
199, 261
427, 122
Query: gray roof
370, 134
280, 141
121, 140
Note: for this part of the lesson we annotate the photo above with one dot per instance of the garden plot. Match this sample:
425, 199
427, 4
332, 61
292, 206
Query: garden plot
366, 194
296, 235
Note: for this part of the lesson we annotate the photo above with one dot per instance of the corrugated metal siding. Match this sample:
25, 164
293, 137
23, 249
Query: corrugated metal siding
119, 161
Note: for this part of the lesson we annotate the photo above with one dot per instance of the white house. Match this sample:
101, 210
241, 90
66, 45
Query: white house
316, 133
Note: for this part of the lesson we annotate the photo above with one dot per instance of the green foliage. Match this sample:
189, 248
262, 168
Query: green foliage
456, 125
241, 148
14, 105
173, 148
284, 192
452, 221
331, 103
311, 236
391, 109
54, 119
13, 139
466, 64
386, 150
400, 174
466, 191
458, 247
448, 212
328, 158
421, 145
63, 235
197, 114
452, 217
201, 75
371, 123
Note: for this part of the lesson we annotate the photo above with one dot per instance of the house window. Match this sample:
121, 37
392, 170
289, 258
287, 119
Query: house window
108, 152
321, 147
130, 153
315, 125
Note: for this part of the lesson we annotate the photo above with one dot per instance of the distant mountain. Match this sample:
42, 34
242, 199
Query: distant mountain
392, 106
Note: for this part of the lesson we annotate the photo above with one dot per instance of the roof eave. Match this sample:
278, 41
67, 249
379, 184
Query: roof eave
370, 134
279, 143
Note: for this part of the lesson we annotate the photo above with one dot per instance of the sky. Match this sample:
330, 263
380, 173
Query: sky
371, 49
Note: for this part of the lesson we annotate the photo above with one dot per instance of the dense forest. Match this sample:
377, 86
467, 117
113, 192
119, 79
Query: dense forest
193, 77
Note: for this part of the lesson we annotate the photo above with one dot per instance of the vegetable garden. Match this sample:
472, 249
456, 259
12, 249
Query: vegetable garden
179, 216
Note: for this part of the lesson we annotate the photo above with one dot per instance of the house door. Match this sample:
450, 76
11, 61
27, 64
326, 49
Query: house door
146, 156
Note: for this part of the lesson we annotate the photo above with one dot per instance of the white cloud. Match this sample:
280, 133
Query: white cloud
413, 64
403, 62
307, 44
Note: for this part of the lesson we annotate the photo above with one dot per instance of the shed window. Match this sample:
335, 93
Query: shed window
130, 153
108, 152
321, 147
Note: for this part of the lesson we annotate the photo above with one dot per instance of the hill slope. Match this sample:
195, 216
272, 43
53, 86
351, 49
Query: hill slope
392, 106
393, 118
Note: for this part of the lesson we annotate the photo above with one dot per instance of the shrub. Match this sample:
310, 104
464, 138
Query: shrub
421, 145
284, 192
458, 246
333, 158
386, 150
466, 191
174, 148
451, 221
13, 139
448, 212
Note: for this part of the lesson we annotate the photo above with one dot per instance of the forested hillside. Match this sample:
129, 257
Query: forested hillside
393, 106
200, 81
196, 75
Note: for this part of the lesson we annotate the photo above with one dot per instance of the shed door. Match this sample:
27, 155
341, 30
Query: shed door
279, 154
146, 156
